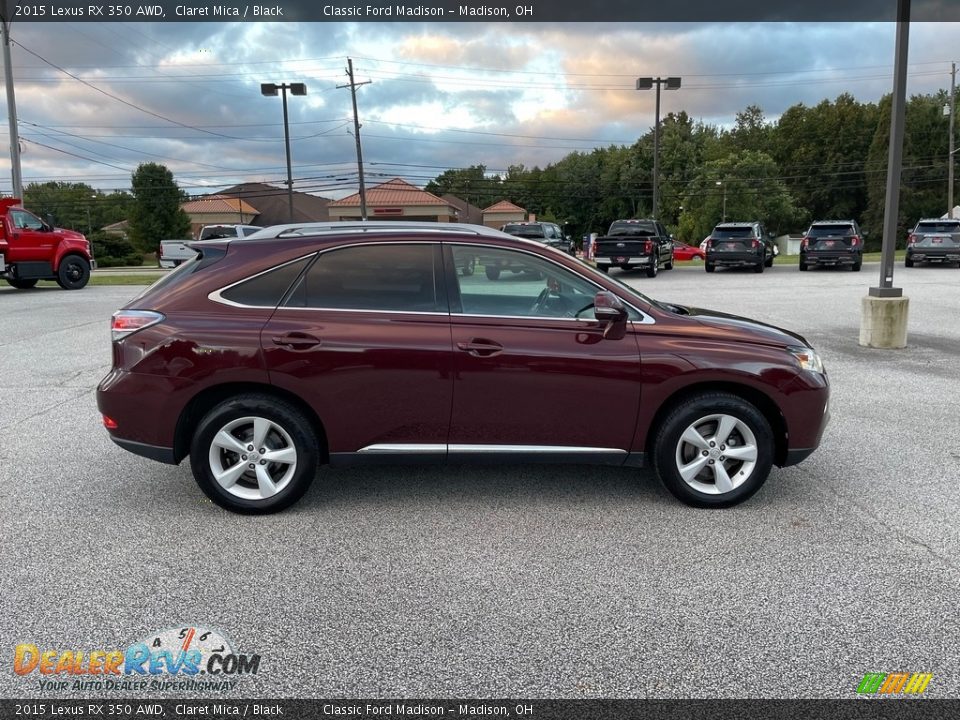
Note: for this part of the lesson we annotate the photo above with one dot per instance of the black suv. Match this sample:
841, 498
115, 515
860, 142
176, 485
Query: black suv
832, 243
935, 241
635, 245
545, 232
739, 244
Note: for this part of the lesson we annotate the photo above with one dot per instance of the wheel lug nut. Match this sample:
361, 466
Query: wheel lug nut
252, 466
263, 462
250, 448
262, 450
706, 452
711, 462
712, 444
723, 447
722, 458
243, 457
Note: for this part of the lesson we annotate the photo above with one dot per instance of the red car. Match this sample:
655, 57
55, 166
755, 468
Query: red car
361, 343
682, 251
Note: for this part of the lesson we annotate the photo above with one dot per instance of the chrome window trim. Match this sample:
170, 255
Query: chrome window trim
216, 295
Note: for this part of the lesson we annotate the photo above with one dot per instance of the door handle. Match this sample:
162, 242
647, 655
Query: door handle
297, 340
480, 347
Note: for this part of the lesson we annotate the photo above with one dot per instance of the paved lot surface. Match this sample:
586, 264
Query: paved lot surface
520, 581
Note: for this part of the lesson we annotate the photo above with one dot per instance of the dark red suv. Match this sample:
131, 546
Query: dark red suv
361, 343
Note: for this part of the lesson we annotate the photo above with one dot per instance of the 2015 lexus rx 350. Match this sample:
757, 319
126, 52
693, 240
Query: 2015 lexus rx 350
361, 343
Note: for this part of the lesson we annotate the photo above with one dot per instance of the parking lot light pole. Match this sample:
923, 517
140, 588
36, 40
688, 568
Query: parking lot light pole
270, 89
645, 83
952, 109
721, 183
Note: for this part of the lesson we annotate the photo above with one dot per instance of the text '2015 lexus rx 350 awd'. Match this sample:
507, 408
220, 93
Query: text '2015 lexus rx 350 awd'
262, 359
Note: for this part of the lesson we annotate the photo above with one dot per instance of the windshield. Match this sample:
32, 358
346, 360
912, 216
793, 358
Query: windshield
632, 228
524, 231
938, 227
827, 230
731, 232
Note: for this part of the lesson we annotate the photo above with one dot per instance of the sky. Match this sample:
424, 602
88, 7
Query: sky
96, 99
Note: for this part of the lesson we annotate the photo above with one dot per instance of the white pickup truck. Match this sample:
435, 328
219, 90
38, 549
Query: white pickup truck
174, 252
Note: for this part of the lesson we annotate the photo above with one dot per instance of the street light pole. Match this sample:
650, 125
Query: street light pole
724, 185
270, 89
15, 173
645, 83
950, 160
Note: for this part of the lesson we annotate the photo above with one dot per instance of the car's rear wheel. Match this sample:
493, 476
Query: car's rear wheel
714, 450
758, 268
857, 265
652, 270
470, 267
492, 272
73, 273
769, 263
21, 284
709, 266
803, 266
668, 265
908, 262
254, 454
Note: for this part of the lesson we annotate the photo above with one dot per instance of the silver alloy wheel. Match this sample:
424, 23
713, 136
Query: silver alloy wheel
716, 454
252, 458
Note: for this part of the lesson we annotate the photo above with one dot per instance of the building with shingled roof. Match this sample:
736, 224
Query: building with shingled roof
503, 212
395, 200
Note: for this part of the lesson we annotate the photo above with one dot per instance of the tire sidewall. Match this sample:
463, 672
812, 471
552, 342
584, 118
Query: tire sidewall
284, 415
689, 412
68, 262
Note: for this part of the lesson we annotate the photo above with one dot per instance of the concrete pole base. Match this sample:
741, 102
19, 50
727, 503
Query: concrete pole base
883, 321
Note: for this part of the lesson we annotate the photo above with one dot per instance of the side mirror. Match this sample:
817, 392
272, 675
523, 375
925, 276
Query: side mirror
611, 312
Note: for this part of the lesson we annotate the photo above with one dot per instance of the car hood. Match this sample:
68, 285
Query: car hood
69, 234
744, 329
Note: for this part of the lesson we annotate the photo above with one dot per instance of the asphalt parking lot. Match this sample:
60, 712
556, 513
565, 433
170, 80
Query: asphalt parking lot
535, 582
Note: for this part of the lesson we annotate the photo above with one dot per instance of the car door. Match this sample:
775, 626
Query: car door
364, 338
30, 238
534, 376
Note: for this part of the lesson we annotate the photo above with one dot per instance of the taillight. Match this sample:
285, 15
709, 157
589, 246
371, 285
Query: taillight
754, 243
127, 322
109, 423
912, 239
648, 247
854, 241
709, 242
805, 243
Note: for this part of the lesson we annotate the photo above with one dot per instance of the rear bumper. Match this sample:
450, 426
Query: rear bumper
623, 261
734, 259
924, 255
153, 452
831, 259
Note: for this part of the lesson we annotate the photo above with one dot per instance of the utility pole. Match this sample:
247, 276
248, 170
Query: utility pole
356, 134
15, 173
952, 151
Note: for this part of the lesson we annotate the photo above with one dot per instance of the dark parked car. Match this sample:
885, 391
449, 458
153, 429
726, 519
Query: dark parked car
832, 243
547, 233
739, 244
635, 245
263, 359
934, 241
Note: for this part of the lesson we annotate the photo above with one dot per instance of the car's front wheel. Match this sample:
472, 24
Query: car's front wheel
714, 450
254, 454
709, 266
73, 273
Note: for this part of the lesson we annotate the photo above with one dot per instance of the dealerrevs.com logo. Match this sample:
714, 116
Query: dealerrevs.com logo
177, 659
890, 684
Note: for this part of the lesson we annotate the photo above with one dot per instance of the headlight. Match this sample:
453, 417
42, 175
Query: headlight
808, 358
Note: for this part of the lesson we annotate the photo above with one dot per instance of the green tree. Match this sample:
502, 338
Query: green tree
471, 184
156, 213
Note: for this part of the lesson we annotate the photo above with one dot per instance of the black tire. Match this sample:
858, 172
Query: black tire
856, 266
73, 273
288, 429
669, 264
709, 267
758, 268
21, 284
908, 262
492, 271
701, 412
470, 267
653, 268
803, 266
769, 263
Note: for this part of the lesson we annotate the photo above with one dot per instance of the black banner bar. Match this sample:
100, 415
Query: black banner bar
514, 709
482, 11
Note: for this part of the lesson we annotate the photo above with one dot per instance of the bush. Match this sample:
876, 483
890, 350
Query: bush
112, 251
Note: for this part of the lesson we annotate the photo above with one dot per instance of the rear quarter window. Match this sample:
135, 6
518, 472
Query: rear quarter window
266, 289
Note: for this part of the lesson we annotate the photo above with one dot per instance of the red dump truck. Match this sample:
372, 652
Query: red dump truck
32, 250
